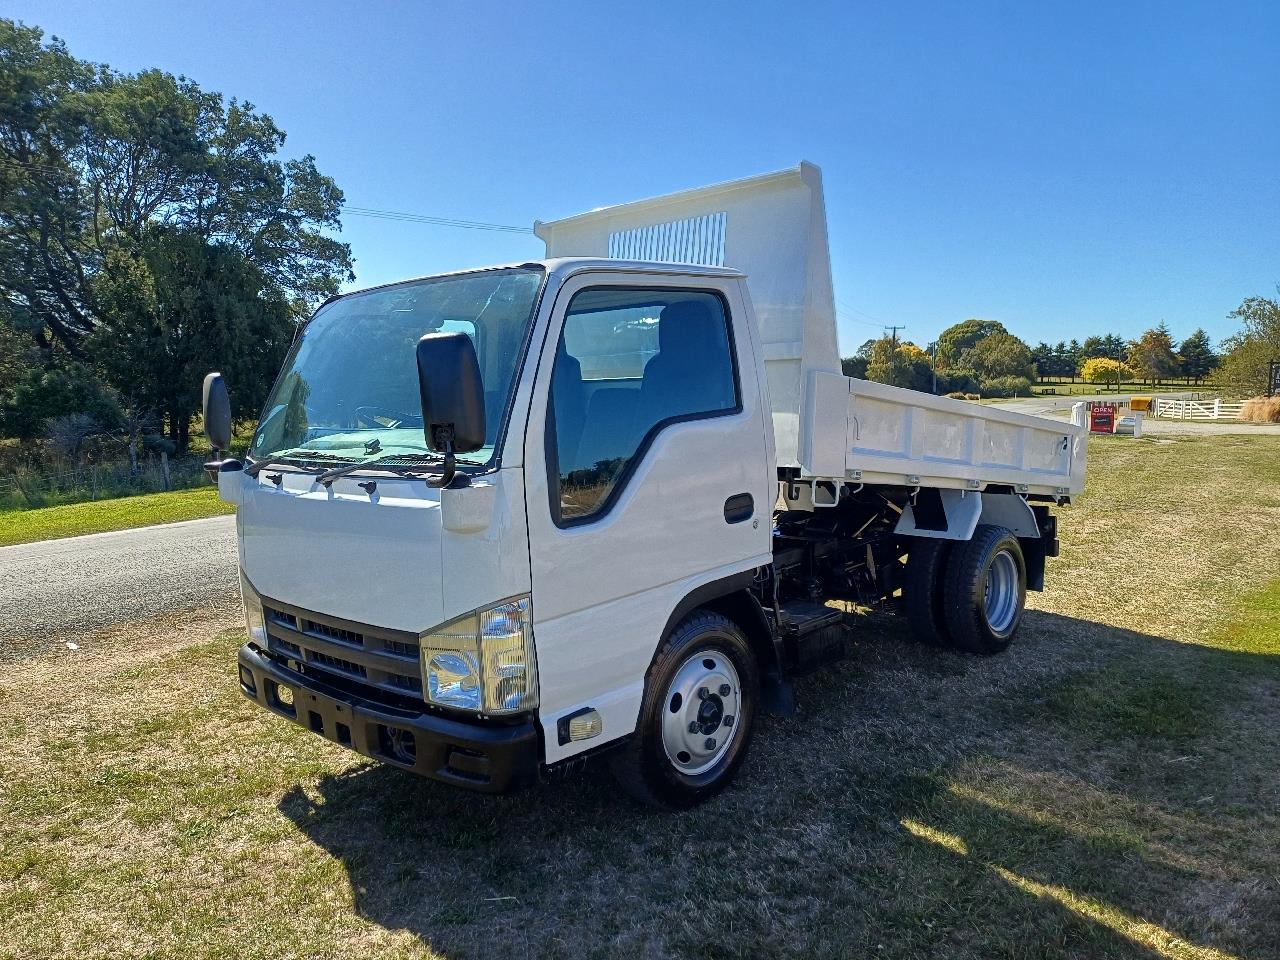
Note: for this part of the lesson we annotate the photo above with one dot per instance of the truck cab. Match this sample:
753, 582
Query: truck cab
495, 522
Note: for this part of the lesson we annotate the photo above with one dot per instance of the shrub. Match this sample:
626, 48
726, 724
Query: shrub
957, 381
955, 395
973, 396
48, 394
1007, 387
1261, 410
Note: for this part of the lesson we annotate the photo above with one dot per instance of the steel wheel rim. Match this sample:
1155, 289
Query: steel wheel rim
700, 712
1000, 597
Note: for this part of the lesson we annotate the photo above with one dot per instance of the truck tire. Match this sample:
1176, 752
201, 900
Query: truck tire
985, 590
697, 717
922, 591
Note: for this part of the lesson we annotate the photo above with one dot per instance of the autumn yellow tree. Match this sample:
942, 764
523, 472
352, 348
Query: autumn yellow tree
1106, 370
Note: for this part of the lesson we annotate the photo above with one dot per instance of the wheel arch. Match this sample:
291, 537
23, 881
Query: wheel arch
731, 597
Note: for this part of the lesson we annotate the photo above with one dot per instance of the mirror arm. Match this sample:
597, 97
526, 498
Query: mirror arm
444, 441
217, 466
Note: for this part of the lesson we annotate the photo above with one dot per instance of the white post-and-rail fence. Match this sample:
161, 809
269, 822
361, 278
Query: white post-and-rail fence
1183, 409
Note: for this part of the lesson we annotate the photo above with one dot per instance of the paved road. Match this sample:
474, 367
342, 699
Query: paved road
1061, 407
64, 588
1043, 405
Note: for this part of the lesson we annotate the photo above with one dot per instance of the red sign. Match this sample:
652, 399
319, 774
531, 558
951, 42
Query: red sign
1102, 418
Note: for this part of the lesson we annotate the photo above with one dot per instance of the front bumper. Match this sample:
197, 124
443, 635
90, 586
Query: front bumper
490, 758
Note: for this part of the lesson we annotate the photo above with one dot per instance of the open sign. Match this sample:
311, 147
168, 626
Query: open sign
1102, 418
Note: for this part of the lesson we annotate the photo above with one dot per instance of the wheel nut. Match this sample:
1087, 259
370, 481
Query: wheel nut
703, 693
728, 719
710, 743
693, 726
724, 690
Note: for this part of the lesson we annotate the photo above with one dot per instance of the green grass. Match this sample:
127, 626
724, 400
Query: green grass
1105, 789
1256, 625
1133, 702
1067, 388
71, 520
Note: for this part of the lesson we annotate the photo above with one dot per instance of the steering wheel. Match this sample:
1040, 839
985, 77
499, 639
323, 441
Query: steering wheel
372, 415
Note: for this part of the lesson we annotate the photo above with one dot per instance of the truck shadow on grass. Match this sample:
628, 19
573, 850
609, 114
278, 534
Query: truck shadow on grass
1096, 792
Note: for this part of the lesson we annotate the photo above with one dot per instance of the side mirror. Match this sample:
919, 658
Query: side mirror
452, 396
217, 427
217, 412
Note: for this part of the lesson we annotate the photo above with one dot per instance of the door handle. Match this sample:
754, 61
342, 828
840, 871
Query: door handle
739, 507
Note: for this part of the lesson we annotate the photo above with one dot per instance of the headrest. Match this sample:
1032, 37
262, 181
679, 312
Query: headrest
688, 327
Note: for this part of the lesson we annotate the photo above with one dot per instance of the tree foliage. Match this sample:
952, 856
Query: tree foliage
854, 366
1152, 355
1105, 370
1111, 345
959, 338
1196, 356
900, 364
152, 352
103, 174
41, 396
1243, 371
999, 355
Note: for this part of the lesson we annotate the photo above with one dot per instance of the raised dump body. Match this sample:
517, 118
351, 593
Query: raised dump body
773, 229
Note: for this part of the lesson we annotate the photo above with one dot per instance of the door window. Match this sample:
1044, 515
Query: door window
630, 362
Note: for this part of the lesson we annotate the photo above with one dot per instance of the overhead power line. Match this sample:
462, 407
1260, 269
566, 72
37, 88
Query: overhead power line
848, 319
400, 215
436, 221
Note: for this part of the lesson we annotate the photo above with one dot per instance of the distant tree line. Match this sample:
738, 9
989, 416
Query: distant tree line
149, 232
983, 357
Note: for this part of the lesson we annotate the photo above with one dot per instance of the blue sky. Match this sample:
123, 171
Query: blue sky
1066, 169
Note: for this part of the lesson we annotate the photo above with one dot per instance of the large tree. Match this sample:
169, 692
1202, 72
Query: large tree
1196, 356
955, 341
999, 355
1111, 345
180, 307
92, 159
1105, 370
1248, 354
1152, 356
900, 364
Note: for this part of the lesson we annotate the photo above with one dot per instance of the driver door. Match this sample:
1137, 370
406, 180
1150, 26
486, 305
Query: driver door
649, 470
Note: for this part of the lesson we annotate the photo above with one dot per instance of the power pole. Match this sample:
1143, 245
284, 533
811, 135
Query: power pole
893, 351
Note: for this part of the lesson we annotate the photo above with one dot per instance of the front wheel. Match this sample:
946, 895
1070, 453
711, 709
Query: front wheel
985, 589
697, 717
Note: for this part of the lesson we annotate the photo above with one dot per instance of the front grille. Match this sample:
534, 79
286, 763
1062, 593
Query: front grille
334, 633
412, 684
334, 663
409, 650
370, 657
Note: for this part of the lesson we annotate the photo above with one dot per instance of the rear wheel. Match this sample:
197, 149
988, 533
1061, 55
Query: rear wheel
697, 718
922, 591
985, 590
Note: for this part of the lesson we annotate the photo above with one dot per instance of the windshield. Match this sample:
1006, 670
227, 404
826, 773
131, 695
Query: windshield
349, 389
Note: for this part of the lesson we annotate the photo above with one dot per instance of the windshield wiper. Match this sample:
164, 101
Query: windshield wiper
291, 459
330, 475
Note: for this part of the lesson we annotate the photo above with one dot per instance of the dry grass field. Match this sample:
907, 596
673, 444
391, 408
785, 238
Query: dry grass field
1109, 788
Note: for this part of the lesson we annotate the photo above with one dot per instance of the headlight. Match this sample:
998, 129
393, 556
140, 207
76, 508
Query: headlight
483, 661
254, 620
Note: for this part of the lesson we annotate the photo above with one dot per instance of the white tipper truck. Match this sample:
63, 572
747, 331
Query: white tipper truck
497, 522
